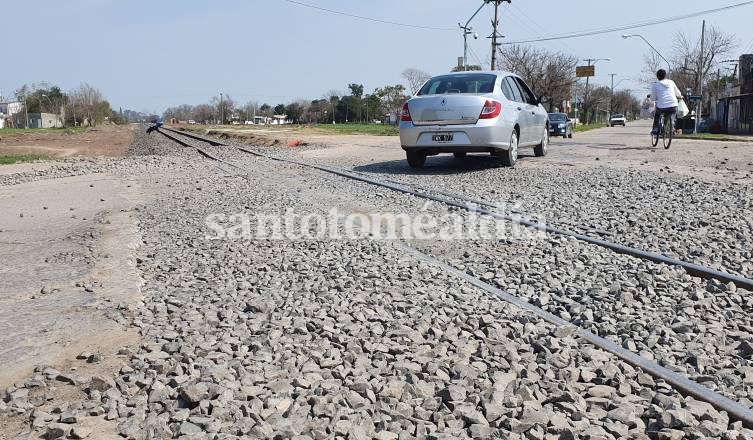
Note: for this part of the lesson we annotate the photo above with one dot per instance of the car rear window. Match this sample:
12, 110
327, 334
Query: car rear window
463, 83
617, 116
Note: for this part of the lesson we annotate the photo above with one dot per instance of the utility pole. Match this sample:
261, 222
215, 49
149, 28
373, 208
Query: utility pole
700, 79
26, 110
222, 111
495, 34
587, 95
73, 106
611, 95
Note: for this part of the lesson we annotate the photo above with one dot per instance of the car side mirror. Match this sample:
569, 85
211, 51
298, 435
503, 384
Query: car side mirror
542, 100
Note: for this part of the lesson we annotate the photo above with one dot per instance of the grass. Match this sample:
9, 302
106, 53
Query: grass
70, 130
586, 127
715, 137
371, 129
9, 159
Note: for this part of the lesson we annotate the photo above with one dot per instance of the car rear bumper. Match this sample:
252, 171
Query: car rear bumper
482, 137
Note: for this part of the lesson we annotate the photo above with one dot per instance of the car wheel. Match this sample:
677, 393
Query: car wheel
415, 159
460, 155
510, 157
540, 149
570, 135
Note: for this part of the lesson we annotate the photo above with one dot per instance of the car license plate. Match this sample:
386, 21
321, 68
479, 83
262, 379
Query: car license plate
444, 137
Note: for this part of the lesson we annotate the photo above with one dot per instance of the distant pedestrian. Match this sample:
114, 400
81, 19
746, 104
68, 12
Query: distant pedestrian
665, 94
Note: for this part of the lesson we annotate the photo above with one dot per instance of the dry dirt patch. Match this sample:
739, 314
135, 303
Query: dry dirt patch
103, 140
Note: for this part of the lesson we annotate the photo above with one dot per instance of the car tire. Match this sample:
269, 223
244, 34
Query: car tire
540, 149
570, 136
415, 159
460, 155
510, 156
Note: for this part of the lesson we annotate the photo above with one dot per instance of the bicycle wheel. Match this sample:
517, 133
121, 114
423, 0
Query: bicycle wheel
655, 137
669, 130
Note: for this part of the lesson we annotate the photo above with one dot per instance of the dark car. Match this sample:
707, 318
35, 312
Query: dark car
560, 125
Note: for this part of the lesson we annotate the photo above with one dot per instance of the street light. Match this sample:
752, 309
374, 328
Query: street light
467, 30
669, 66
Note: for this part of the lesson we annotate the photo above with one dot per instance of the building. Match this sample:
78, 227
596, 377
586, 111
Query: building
39, 120
735, 113
10, 108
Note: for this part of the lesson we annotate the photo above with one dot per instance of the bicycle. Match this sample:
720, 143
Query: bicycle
666, 121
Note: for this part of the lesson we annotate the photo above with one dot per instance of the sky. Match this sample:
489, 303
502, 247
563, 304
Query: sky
149, 55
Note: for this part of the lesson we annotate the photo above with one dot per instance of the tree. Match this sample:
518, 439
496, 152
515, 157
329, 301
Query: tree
333, 97
468, 68
224, 107
392, 98
687, 53
372, 105
624, 102
249, 110
597, 102
356, 90
89, 104
317, 110
296, 111
266, 110
203, 113
280, 109
550, 74
687, 70
416, 78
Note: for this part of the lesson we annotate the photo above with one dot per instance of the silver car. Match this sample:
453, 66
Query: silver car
473, 112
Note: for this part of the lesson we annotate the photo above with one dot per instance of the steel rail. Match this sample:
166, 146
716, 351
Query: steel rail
193, 136
676, 380
474, 206
199, 150
477, 206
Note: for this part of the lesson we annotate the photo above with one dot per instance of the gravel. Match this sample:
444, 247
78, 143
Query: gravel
355, 339
700, 328
709, 223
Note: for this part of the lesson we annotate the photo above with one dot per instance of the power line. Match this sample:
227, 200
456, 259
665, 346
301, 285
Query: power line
478, 60
629, 26
361, 17
515, 10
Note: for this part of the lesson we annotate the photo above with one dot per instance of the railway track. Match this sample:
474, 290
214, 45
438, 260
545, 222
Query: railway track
680, 382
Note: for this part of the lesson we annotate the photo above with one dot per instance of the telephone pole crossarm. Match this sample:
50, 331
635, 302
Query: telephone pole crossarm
495, 33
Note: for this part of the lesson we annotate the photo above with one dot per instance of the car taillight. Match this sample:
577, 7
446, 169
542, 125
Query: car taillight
491, 109
405, 114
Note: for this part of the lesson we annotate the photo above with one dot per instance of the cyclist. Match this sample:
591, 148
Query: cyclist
665, 95
157, 124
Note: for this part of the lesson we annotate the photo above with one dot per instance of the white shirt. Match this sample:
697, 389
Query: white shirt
665, 93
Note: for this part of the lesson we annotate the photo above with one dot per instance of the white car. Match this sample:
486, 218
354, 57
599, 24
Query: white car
617, 119
473, 112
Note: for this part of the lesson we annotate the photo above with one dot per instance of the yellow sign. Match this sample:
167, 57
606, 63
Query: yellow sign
584, 71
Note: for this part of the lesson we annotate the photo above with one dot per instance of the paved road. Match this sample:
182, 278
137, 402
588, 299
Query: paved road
615, 147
